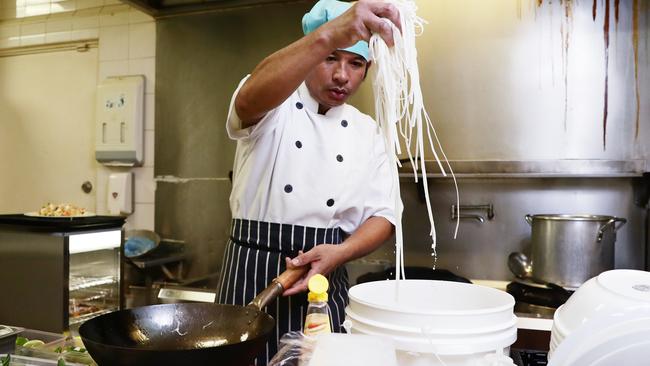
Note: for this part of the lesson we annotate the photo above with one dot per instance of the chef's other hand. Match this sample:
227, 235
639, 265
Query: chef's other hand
323, 259
360, 21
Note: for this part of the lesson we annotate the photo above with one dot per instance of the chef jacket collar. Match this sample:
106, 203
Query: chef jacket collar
312, 104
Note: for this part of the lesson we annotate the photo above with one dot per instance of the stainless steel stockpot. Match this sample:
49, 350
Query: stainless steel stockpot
569, 249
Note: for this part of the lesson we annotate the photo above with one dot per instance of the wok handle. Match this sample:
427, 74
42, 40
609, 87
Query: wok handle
285, 280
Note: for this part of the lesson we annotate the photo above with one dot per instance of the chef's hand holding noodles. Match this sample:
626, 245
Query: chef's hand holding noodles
400, 111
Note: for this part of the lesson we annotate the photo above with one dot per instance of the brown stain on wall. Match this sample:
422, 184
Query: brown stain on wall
605, 102
565, 30
635, 45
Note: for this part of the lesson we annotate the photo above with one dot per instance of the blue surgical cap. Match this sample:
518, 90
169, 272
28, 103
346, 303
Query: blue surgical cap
323, 12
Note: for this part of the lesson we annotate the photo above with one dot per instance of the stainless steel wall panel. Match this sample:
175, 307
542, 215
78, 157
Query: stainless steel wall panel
198, 214
481, 250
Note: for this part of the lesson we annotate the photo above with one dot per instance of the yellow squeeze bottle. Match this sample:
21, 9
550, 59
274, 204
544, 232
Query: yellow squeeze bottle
318, 317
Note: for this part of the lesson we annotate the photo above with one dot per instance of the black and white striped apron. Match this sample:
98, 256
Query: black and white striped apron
255, 255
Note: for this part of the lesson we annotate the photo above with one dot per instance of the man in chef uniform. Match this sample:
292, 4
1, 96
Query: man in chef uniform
312, 183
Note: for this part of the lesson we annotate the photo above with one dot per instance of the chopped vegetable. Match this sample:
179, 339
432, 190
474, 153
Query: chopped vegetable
5, 361
21, 341
60, 362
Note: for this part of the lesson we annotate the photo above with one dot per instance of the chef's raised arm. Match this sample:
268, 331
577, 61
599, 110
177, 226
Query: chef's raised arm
280, 74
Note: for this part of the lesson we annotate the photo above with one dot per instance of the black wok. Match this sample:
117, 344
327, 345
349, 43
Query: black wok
185, 334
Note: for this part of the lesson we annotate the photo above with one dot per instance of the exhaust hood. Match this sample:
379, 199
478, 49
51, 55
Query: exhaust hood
168, 8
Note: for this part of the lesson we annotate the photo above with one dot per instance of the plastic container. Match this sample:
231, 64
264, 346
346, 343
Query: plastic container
8, 340
17, 360
436, 322
353, 349
56, 346
613, 339
616, 290
440, 306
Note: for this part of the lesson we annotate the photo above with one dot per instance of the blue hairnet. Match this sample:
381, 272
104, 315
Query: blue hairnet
323, 12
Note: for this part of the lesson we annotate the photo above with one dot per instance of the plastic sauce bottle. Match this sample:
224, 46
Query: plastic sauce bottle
318, 316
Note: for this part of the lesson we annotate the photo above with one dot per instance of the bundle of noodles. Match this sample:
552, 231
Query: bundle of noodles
400, 113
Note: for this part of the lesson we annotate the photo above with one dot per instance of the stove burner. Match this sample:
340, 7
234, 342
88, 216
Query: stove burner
538, 295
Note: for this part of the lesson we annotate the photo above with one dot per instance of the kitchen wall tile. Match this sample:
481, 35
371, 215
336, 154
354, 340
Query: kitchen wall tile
149, 111
142, 40
20, 3
85, 22
58, 25
9, 31
29, 29
114, 43
63, 6
146, 67
136, 16
20, 12
54, 37
101, 187
142, 218
86, 4
145, 186
34, 2
84, 34
115, 15
8, 4
112, 2
32, 34
9, 42
112, 68
7, 13
149, 138
35, 10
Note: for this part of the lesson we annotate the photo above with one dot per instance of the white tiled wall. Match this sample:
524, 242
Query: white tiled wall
127, 46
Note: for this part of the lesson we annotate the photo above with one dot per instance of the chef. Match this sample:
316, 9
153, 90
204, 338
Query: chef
312, 183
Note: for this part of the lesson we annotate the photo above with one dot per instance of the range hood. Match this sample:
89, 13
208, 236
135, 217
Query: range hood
168, 8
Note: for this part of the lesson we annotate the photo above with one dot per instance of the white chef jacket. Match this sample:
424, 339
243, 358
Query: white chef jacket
299, 167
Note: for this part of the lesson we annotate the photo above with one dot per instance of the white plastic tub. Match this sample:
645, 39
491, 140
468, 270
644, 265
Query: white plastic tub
439, 306
436, 322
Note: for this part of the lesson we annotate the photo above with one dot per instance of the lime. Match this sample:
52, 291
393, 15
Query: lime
33, 343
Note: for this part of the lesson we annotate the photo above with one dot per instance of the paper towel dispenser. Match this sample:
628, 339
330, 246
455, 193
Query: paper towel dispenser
120, 121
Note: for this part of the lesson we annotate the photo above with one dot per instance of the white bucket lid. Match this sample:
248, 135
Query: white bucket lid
437, 306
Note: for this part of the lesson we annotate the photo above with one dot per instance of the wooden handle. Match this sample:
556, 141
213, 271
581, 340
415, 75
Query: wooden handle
287, 278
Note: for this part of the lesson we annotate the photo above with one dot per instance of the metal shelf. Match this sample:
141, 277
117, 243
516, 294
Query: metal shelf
82, 318
79, 283
566, 168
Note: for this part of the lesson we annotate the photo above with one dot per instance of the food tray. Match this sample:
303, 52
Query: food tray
49, 349
17, 360
8, 340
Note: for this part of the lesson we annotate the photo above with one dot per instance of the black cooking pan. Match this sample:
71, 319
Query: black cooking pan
185, 334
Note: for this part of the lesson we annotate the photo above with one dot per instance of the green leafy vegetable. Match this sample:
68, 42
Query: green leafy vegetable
21, 340
60, 362
5, 361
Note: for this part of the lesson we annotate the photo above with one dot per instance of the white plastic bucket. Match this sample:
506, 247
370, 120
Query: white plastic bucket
436, 322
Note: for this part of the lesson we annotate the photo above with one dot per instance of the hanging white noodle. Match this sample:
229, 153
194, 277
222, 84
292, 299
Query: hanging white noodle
399, 110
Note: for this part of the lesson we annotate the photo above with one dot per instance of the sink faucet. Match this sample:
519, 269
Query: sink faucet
457, 212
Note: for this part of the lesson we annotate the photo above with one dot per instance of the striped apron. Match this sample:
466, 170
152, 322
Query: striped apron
254, 256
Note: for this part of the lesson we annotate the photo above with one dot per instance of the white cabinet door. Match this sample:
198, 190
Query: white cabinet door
46, 129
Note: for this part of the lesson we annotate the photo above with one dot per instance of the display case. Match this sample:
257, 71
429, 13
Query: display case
59, 272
